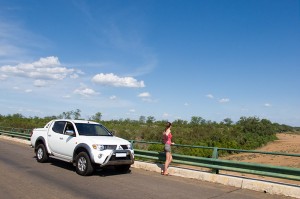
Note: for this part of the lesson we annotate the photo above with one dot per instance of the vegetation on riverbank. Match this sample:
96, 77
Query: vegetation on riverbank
247, 133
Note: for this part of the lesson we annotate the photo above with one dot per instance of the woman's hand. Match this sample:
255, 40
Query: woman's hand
173, 143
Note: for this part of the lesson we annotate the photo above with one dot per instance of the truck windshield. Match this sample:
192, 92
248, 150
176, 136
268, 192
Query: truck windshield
92, 130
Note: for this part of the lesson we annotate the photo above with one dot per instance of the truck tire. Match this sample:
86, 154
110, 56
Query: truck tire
41, 153
122, 168
84, 165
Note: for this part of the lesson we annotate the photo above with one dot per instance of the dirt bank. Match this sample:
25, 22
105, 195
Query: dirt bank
286, 143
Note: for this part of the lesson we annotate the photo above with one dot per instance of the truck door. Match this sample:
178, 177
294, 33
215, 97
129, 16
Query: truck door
55, 136
69, 142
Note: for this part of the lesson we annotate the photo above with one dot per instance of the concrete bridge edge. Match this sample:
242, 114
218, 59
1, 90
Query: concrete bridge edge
244, 183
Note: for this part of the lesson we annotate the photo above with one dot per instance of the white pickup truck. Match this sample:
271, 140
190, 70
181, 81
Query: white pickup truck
86, 144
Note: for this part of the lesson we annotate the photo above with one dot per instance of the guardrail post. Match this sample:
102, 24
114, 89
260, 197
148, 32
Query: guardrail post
12, 131
215, 156
132, 141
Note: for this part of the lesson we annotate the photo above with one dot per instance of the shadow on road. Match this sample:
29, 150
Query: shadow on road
102, 172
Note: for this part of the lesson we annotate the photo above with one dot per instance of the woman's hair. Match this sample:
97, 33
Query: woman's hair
168, 125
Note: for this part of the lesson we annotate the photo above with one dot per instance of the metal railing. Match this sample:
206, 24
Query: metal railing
212, 163
16, 132
228, 165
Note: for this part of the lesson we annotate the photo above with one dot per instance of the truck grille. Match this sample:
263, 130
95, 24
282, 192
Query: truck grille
112, 147
113, 157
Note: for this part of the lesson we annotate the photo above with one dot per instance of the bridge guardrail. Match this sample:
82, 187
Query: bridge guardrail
229, 165
213, 163
16, 132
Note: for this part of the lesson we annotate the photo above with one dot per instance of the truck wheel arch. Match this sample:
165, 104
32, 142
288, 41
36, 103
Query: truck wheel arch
80, 148
40, 140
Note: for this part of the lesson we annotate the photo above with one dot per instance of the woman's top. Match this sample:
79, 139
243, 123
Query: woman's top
168, 138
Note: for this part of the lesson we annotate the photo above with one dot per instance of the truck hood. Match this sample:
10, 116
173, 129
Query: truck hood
106, 140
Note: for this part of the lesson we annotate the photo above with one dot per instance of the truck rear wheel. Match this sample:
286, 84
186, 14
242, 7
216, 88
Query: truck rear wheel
41, 153
83, 163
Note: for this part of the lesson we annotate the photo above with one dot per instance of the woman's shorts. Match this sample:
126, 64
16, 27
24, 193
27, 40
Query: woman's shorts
167, 148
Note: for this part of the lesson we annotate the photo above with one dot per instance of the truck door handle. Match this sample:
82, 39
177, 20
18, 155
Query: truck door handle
61, 138
49, 135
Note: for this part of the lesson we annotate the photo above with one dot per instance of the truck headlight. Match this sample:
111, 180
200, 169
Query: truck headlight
98, 147
129, 146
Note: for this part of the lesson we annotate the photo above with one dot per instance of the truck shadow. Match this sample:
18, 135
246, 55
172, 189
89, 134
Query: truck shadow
102, 172
109, 171
62, 164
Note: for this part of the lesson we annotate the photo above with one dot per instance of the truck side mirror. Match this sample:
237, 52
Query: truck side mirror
70, 132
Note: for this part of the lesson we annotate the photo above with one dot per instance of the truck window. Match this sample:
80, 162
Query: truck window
59, 126
69, 126
92, 130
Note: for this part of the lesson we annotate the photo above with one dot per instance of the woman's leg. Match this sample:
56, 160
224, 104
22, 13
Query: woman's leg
168, 154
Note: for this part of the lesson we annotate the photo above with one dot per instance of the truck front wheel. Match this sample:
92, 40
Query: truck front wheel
41, 153
83, 163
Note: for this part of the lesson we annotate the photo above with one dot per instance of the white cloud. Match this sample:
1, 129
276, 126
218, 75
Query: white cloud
3, 77
67, 96
132, 110
85, 92
146, 97
27, 110
44, 68
46, 62
224, 100
8, 49
113, 80
113, 97
165, 115
267, 105
145, 94
210, 96
11, 42
74, 76
40, 83
186, 104
28, 91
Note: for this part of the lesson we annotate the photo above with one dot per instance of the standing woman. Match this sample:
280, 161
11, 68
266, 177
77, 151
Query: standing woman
167, 138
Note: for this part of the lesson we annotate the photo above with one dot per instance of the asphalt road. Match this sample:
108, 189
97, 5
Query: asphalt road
21, 176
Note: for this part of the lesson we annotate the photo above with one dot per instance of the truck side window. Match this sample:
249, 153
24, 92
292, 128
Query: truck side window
59, 126
69, 126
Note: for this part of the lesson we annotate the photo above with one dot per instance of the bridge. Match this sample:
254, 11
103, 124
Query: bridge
193, 169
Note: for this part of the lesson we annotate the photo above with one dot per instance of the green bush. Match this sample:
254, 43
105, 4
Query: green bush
247, 133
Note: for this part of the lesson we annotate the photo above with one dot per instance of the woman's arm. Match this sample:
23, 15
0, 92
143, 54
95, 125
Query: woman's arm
168, 131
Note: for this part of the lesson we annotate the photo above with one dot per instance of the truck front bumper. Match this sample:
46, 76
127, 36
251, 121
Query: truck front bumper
114, 157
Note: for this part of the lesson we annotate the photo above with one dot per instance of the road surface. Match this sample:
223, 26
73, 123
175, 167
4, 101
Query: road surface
21, 176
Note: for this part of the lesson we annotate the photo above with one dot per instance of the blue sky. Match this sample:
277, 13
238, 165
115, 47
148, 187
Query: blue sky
171, 59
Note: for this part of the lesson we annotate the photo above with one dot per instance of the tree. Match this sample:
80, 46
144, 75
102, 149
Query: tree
97, 116
142, 119
76, 114
65, 115
17, 115
180, 122
228, 121
197, 120
150, 120
70, 114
